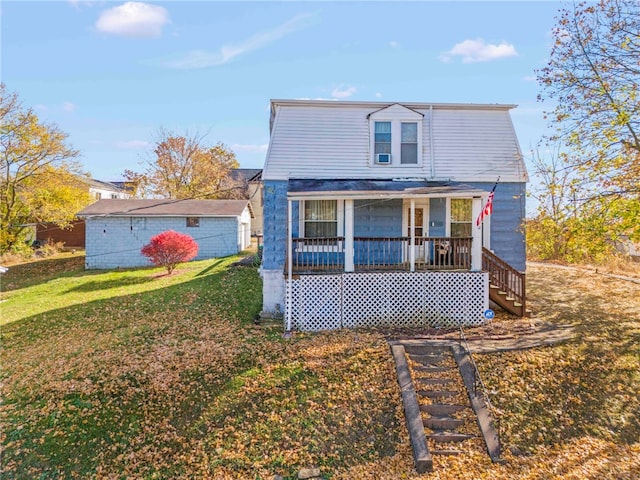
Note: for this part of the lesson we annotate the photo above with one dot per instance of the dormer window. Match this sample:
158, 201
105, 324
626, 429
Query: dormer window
409, 143
396, 136
382, 148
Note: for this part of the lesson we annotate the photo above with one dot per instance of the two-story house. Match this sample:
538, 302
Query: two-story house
373, 213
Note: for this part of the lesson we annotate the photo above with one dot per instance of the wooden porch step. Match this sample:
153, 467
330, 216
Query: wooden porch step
440, 409
442, 423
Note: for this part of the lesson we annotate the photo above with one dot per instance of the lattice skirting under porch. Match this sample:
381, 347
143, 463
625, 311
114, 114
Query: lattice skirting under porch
400, 299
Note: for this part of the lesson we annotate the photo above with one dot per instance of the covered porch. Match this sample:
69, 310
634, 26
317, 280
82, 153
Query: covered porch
366, 253
383, 225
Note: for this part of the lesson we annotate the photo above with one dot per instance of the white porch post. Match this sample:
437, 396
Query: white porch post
348, 236
412, 232
289, 300
476, 234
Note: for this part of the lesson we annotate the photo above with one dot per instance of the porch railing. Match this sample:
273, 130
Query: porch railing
508, 281
326, 255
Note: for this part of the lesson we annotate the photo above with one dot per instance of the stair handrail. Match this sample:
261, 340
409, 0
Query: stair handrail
505, 277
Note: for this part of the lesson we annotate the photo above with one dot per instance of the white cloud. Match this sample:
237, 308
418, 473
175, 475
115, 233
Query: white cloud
134, 19
343, 92
473, 51
68, 106
203, 59
378, 95
133, 144
249, 148
394, 44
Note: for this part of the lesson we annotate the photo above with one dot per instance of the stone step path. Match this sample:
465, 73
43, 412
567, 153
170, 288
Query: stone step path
441, 412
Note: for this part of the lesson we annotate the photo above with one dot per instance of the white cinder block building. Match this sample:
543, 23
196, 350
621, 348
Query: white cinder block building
116, 229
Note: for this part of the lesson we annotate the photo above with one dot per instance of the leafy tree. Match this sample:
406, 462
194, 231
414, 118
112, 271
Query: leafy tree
39, 178
566, 227
170, 248
593, 78
184, 167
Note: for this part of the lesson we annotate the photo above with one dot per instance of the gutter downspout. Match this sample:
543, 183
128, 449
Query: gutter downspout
431, 150
289, 299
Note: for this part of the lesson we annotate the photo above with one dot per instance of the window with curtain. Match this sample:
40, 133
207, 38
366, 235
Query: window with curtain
320, 218
382, 137
409, 143
461, 217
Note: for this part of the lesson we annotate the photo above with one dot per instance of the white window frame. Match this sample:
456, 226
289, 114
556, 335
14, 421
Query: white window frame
449, 216
396, 140
339, 247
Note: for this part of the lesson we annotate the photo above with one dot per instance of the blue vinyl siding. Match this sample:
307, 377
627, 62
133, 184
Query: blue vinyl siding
376, 218
275, 224
507, 222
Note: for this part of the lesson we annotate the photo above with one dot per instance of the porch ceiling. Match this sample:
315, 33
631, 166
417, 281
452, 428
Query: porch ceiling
310, 189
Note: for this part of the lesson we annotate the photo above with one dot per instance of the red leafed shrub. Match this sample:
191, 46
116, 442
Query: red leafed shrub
170, 248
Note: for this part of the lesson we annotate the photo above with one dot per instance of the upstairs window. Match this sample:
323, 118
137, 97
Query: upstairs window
193, 222
382, 137
320, 218
409, 143
395, 137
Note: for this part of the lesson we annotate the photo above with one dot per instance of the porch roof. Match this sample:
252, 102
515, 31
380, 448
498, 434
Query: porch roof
310, 189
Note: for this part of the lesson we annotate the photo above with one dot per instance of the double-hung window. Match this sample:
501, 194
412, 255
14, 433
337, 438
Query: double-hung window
320, 218
395, 137
461, 217
382, 137
408, 143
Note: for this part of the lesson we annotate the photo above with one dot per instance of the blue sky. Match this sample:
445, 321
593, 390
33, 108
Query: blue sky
110, 74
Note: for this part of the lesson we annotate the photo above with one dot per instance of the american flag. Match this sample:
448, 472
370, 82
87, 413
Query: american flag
488, 207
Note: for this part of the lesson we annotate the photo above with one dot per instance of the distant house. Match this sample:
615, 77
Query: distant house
103, 190
251, 181
371, 208
74, 235
116, 230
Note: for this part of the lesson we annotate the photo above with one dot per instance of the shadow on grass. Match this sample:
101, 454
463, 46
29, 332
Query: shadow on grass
213, 266
78, 373
37, 272
107, 284
585, 387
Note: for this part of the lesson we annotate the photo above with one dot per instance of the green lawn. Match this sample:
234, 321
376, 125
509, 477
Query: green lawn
135, 374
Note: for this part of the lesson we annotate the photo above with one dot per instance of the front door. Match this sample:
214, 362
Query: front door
421, 209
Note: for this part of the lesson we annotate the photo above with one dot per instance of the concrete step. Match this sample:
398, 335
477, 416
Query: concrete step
424, 350
433, 369
437, 393
427, 359
441, 409
435, 381
446, 452
442, 423
445, 437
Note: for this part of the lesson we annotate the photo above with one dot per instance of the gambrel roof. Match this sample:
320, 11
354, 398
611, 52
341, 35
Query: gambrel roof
333, 139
